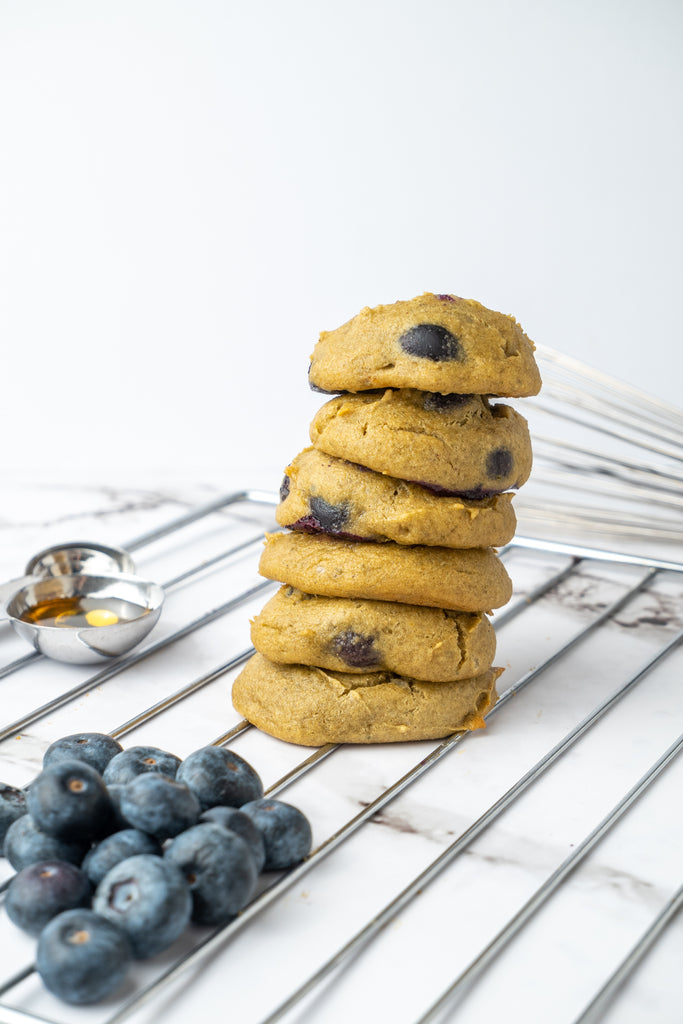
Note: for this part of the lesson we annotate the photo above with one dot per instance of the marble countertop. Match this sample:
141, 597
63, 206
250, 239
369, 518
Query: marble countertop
553, 966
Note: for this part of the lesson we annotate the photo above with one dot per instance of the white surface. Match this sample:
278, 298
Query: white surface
556, 964
190, 192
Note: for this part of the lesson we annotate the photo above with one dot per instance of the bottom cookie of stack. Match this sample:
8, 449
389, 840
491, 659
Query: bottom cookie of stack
312, 706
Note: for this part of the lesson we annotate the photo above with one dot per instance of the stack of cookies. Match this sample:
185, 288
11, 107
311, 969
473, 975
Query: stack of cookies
381, 630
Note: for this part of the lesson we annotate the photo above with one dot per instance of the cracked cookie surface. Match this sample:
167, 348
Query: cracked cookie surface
360, 636
439, 343
467, 579
311, 706
458, 444
323, 494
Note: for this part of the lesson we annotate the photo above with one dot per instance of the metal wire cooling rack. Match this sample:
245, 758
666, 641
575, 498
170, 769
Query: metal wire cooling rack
448, 879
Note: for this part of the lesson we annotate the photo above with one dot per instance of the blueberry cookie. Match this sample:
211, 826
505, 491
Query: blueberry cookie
457, 444
349, 635
436, 343
307, 705
468, 579
322, 494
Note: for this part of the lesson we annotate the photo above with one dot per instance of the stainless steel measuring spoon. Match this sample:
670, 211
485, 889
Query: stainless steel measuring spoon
81, 603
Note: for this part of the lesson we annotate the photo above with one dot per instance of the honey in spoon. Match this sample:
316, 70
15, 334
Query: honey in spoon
82, 611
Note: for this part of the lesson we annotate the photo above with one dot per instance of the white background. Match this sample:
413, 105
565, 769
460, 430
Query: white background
191, 191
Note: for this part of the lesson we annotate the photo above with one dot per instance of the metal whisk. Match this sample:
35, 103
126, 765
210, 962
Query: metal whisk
614, 465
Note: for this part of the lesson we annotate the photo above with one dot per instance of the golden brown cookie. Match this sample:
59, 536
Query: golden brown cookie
352, 635
460, 444
468, 579
322, 494
301, 704
433, 342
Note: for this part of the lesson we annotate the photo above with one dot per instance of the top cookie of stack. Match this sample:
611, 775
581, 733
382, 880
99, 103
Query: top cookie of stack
439, 343
380, 632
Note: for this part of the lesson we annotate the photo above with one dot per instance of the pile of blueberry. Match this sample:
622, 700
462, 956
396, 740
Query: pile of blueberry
116, 851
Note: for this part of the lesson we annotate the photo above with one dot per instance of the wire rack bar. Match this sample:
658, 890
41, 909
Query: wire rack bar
597, 554
200, 512
10, 1015
600, 1001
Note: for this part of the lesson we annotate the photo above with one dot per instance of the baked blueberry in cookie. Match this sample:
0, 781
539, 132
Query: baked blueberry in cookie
324, 517
499, 463
431, 341
355, 649
443, 403
330, 518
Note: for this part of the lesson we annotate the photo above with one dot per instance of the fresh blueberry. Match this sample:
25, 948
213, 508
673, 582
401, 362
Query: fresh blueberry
237, 821
284, 488
148, 898
357, 650
218, 776
69, 801
115, 791
41, 891
499, 463
113, 849
434, 402
134, 761
95, 748
12, 806
158, 805
219, 869
430, 341
82, 957
286, 832
25, 844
